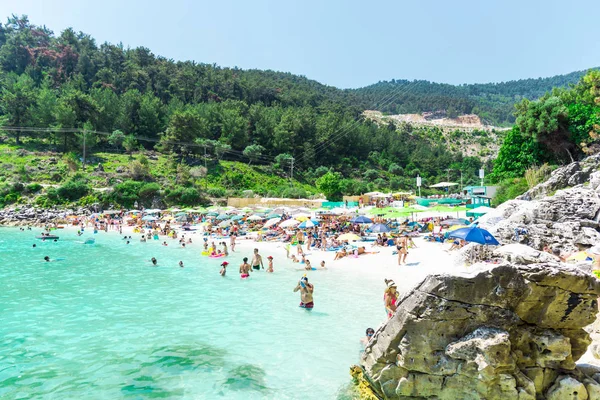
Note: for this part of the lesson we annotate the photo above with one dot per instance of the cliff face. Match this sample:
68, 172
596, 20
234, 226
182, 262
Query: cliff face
510, 331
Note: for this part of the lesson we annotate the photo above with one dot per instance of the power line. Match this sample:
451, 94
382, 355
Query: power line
340, 133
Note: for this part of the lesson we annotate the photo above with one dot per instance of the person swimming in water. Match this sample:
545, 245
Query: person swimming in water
369, 334
154, 261
181, 264
223, 271
306, 293
245, 269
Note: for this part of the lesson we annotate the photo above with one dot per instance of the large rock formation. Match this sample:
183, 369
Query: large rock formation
506, 332
571, 175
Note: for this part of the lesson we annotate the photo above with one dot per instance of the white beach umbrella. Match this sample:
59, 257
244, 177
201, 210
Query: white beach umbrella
338, 211
272, 222
289, 223
225, 223
303, 215
254, 218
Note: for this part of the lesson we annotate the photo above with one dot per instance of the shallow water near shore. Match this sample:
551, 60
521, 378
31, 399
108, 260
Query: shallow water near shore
103, 323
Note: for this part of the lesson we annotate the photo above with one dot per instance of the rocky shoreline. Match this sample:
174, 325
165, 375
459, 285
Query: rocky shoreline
35, 216
513, 329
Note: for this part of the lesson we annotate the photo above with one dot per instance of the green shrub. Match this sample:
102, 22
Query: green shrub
33, 188
216, 192
509, 189
73, 190
88, 200
149, 191
190, 197
126, 193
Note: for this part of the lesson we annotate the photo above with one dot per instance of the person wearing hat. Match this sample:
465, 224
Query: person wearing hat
270, 267
390, 296
224, 264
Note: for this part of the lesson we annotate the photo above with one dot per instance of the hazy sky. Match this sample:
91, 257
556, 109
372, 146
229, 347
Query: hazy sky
346, 43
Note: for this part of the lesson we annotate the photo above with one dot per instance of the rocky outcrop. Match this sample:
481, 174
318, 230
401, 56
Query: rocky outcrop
576, 173
566, 222
506, 332
28, 215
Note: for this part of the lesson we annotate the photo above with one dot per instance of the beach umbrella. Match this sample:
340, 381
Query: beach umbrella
339, 210
361, 220
474, 234
237, 217
254, 218
379, 228
274, 215
308, 224
289, 223
149, 218
181, 218
212, 214
419, 207
271, 222
225, 223
223, 216
179, 214
455, 227
174, 209
349, 237
481, 210
579, 256
454, 221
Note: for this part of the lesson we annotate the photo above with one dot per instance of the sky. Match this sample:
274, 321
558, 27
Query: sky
346, 43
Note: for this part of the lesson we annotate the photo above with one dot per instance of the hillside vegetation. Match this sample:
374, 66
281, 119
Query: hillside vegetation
154, 124
492, 102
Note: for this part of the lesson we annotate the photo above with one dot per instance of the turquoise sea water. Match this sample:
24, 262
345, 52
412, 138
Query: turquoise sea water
104, 324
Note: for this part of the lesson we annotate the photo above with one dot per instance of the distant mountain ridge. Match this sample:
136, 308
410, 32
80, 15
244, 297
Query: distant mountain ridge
492, 102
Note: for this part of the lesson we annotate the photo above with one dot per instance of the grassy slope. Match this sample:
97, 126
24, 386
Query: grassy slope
228, 178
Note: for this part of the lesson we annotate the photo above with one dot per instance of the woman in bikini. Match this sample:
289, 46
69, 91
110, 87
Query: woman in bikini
390, 296
245, 269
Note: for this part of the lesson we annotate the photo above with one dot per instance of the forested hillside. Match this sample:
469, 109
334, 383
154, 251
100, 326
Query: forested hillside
492, 102
192, 131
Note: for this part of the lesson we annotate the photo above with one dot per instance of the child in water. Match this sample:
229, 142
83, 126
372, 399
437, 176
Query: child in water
224, 269
270, 267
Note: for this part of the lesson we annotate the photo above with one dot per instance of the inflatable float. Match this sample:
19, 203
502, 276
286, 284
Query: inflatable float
52, 237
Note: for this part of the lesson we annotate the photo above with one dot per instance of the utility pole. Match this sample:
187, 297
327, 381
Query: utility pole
292, 168
205, 169
83, 164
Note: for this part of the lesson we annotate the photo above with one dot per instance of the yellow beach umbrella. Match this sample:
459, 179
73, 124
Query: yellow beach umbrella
301, 218
349, 237
579, 256
455, 227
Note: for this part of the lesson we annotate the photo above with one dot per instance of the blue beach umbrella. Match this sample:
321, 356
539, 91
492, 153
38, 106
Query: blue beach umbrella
361, 219
379, 228
237, 217
223, 216
474, 234
149, 218
308, 224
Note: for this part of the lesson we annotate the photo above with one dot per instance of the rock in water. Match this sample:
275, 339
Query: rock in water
508, 332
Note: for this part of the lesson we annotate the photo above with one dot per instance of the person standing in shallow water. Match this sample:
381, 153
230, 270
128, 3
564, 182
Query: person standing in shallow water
245, 269
390, 296
306, 293
257, 261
